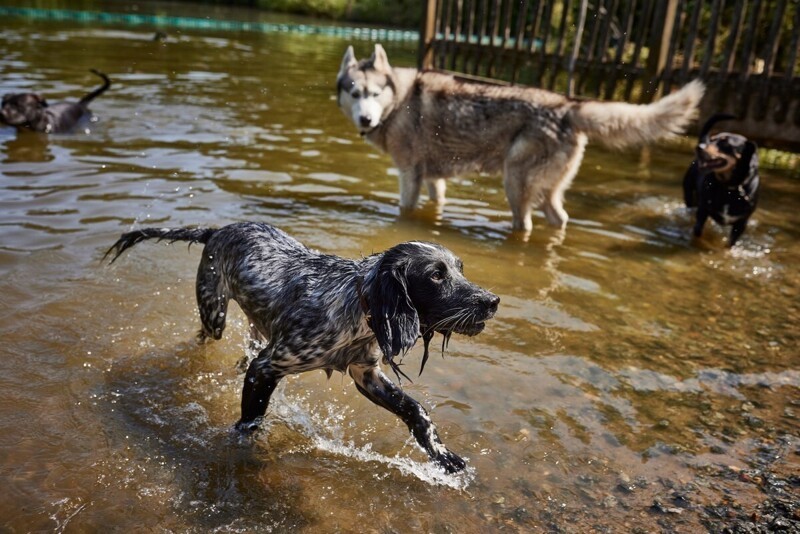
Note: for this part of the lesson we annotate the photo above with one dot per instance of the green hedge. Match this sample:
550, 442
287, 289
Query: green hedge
403, 13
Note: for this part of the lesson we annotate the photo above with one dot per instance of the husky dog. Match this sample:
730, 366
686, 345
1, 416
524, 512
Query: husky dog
29, 111
435, 126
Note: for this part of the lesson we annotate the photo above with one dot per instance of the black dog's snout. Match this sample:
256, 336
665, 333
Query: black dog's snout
365, 120
491, 302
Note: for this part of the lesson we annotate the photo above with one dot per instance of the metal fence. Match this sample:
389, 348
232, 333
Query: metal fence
746, 51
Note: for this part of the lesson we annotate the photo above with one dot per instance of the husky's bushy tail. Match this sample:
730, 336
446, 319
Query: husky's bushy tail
619, 124
192, 235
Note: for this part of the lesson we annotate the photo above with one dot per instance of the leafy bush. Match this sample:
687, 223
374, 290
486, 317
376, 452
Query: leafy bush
403, 13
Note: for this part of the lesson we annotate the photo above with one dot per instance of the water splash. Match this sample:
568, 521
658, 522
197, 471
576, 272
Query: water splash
426, 472
326, 430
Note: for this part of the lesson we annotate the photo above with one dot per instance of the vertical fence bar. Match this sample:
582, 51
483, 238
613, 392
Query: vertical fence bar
456, 48
673, 49
533, 24
603, 47
496, 15
716, 12
519, 36
771, 48
469, 54
566, 8
730, 47
788, 74
659, 47
576, 46
482, 21
545, 35
746, 63
773, 39
647, 12
427, 35
445, 31
591, 44
688, 46
611, 83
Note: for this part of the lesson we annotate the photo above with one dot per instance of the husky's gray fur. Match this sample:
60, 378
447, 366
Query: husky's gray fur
436, 126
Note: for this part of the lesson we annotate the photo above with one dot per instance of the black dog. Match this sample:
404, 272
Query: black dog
318, 311
722, 182
30, 111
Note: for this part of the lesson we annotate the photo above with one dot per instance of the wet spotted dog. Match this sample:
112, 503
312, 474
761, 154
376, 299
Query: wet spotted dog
722, 182
318, 311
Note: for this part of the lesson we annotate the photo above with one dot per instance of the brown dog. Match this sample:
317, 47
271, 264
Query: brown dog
722, 182
29, 111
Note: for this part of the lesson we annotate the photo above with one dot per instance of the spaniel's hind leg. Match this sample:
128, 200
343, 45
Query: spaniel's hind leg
377, 387
259, 382
212, 299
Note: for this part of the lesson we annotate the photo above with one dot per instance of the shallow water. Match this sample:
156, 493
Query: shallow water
625, 361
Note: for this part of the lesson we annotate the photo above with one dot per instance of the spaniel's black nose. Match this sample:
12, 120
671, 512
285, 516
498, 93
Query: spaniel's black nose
492, 301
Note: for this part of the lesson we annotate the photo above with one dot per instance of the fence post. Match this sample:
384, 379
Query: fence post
426, 35
663, 23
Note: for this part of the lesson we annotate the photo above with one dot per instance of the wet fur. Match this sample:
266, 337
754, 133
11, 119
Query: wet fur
436, 126
318, 311
723, 180
29, 111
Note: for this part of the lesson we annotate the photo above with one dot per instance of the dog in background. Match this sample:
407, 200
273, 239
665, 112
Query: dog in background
435, 126
29, 111
722, 182
318, 311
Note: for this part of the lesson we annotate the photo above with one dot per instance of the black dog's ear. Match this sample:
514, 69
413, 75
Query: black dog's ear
748, 161
393, 318
715, 118
40, 99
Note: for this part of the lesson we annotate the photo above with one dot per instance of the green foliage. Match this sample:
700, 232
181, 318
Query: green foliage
334, 9
403, 13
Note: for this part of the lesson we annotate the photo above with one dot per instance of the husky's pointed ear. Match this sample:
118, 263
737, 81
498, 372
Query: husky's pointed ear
349, 60
393, 318
379, 59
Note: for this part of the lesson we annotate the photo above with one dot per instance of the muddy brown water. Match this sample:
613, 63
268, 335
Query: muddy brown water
626, 365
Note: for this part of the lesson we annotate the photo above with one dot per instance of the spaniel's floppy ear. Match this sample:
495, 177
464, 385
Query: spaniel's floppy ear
393, 317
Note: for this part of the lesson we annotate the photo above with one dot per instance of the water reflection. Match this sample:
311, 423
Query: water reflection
26, 147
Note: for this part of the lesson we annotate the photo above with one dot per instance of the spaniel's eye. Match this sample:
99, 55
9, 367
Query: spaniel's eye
356, 94
437, 276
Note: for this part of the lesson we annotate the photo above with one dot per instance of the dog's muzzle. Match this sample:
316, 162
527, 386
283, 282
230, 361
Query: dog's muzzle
709, 162
487, 307
363, 132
